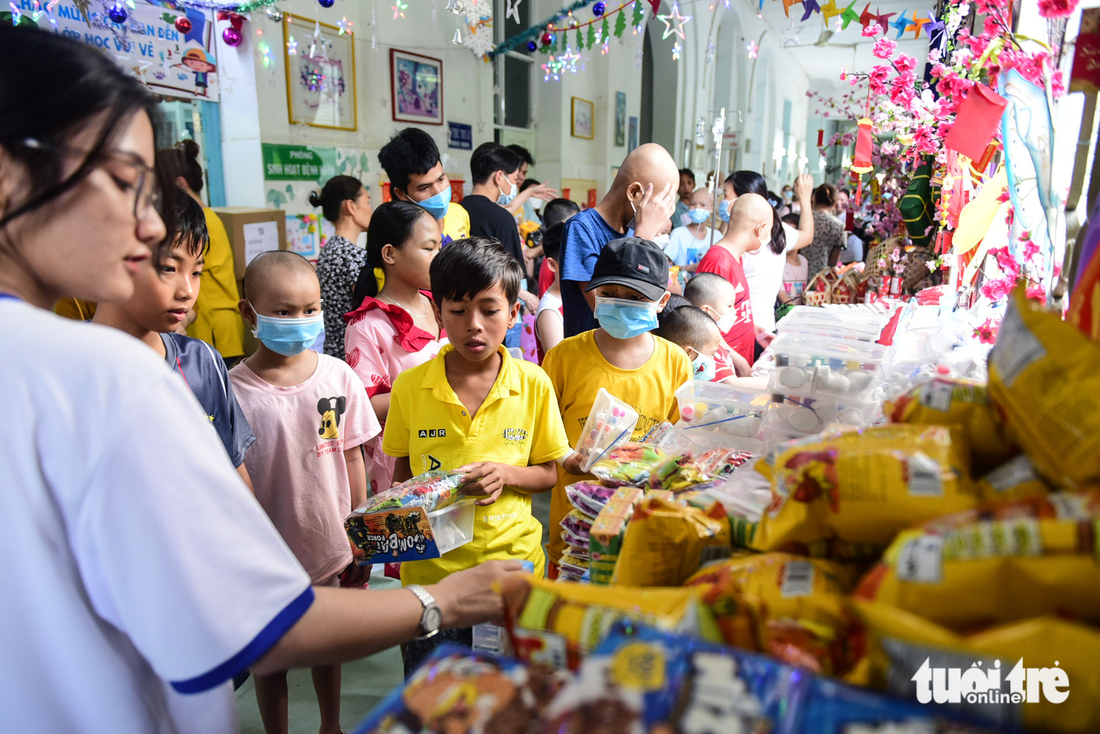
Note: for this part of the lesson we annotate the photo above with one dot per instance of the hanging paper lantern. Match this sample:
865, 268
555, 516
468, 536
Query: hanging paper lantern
183, 24
232, 36
978, 117
598, 9
820, 138
861, 163
326, 3
117, 13
532, 46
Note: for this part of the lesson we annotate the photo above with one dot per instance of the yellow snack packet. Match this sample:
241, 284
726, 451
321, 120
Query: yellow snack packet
846, 494
1001, 563
1038, 675
788, 606
666, 542
1044, 378
558, 623
947, 401
1016, 479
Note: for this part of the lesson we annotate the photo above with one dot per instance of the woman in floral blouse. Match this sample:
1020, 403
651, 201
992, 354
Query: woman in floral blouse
828, 231
345, 202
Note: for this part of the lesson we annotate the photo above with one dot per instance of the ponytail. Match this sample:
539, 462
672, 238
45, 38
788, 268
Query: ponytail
391, 224
779, 237
331, 198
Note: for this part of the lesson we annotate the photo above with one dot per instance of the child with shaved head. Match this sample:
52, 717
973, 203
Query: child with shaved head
310, 414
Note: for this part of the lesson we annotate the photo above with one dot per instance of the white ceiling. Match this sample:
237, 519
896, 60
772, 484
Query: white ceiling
847, 48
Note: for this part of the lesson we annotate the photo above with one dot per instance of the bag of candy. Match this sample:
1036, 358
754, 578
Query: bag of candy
997, 564
577, 524
629, 464
1016, 479
1044, 379
431, 490
1037, 675
666, 542
609, 423
560, 623
459, 691
588, 498
948, 401
846, 494
788, 606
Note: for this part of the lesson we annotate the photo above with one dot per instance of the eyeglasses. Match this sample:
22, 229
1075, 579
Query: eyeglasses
145, 191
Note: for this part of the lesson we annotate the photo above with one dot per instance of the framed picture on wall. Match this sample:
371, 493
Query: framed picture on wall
633, 139
320, 74
584, 119
620, 118
417, 88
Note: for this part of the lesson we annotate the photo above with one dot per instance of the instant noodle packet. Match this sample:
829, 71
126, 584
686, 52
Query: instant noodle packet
791, 607
1038, 675
1044, 379
997, 564
846, 494
945, 401
560, 623
666, 542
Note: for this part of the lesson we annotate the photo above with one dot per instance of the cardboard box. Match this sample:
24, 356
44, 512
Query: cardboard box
252, 231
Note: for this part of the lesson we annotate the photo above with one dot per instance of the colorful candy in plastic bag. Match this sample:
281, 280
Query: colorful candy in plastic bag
588, 498
630, 464
458, 691
846, 494
431, 490
948, 401
788, 606
997, 564
560, 623
1038, 675
1044, 379
609, 423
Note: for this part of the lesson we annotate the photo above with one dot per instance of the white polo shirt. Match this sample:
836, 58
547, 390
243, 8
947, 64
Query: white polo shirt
137, 566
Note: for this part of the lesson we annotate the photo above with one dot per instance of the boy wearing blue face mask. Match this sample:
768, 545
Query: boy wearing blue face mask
629, 280
310, 414
695, 332
687, 244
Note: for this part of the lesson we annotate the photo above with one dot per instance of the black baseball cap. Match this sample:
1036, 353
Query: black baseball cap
635, 263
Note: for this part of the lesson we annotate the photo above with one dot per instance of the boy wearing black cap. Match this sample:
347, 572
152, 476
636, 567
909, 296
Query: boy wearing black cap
630, 284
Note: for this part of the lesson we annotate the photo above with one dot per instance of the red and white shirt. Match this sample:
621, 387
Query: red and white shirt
742, 335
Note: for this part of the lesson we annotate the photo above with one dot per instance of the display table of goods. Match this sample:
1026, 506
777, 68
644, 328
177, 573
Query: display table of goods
894, 531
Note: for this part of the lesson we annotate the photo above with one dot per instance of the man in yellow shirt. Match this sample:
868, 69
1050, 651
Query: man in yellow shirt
411, 160
630, 281
475, 409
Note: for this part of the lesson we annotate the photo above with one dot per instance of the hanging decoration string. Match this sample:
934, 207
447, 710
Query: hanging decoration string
536, 30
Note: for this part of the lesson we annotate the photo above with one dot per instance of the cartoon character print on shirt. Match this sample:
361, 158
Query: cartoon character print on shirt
331, 409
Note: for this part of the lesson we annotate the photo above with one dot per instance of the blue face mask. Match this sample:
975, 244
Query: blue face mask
724, 210
437, 205
288, 337
703, 367
698, 216
625, 319
506, 199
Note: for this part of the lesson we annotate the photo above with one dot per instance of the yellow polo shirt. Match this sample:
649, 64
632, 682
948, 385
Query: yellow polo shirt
217, 320
456, 224
578, 370
518, 424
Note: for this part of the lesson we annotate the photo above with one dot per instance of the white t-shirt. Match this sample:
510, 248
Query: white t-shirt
764, 272
137, 566
853, 250
681, 241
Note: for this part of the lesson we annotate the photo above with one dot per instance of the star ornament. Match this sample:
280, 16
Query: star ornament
512, 10
674, 22
790, 35
676, 50
849, 15
753, 49
552, 69
291, 47
399, 9
344, 25
570, 59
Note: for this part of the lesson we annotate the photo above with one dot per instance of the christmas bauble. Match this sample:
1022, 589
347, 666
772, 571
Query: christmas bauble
183, 24
598, 9
117, 14
232, 36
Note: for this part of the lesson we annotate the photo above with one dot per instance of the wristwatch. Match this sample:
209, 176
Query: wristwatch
432, 618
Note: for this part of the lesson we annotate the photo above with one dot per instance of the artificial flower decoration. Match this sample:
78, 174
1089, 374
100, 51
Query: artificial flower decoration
872, 30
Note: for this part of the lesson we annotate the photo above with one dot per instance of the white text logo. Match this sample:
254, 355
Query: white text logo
983, 685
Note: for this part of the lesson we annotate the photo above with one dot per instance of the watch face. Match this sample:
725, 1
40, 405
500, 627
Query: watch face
432, 620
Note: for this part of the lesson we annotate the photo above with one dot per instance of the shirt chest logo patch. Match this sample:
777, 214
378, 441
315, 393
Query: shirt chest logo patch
432, 433
517, 435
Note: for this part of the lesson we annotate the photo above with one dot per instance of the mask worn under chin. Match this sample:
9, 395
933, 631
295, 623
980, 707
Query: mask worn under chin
724, 210
698, 216
703, 367
625, 319
506, 199
437, 205
288, 337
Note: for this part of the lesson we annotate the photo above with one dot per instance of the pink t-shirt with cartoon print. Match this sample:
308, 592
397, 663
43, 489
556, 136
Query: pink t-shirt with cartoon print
381, 342
297, 462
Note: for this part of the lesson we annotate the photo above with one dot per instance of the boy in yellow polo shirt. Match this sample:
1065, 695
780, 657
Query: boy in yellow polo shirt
630, 285
475, 409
